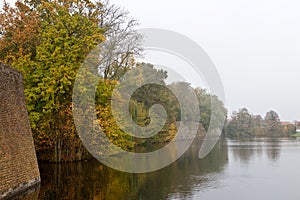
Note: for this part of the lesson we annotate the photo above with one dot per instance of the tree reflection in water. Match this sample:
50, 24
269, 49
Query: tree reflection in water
184, 178
92, 180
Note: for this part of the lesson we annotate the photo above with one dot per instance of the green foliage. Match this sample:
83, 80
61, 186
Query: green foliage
297, 135
242, 123
205, 106
49, 67
272, 123
106, 119
48, 40
140, 103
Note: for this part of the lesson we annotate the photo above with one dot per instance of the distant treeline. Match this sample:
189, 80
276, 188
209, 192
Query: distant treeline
242, 123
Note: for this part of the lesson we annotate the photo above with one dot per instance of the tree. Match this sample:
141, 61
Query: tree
257, 125
240, 123
243, 123
272, 124
123, 43
66, 34
19, 32
205, 106
147, 95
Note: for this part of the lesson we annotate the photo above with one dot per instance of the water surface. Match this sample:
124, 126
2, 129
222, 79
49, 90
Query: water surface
235, 169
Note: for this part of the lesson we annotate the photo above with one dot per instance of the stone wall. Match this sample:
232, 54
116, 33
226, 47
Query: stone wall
18, 162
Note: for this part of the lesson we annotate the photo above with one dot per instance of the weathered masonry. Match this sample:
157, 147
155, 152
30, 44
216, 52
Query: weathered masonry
18, 163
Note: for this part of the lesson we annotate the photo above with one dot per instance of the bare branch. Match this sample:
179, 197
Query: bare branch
123, 43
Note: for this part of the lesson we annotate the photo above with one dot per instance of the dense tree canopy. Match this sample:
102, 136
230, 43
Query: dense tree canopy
242, 123
47, 40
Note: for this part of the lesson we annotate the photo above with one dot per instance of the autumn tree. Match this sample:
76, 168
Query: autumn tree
66, 33
47, 40
139, 105
19, 32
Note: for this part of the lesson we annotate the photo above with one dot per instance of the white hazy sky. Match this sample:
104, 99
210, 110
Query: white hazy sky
255, 45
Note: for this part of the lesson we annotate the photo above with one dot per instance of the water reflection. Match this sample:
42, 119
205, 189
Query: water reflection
259, 168
92, 180
30, 194
245, 149
273, 150
233, 165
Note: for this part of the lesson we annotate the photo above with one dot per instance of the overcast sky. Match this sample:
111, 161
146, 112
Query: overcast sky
255, 46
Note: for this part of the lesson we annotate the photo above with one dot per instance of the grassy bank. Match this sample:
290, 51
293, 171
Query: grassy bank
296, 135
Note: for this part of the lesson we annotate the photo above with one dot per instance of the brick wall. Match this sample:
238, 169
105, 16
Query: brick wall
18, 162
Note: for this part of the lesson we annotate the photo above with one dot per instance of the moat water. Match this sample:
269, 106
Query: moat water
236, 169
